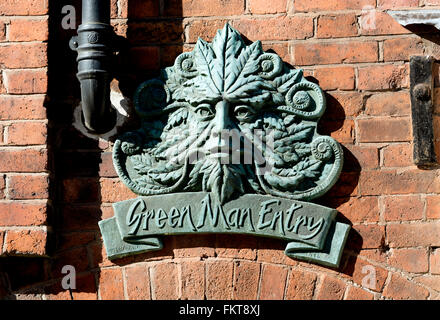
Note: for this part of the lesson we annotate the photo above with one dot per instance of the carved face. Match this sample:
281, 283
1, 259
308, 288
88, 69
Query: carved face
230, 119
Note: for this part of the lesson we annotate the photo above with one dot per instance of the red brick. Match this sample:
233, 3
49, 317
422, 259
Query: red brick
432, 282
272, 251
114, 9
80, 190
430, 2
23, 7
364, 158
362, 273
413, 234
273, 282
195, 8
138, 282
436, 125
342, 132
27, 133
111, 284
55, 292
262, 7
113, 190
398, 155
28, 242
343, 104
2, 31
401, 208
389, 104
26, 81
144, 58
2, 237
335, 78
401, 289
22, 214
24, 107
401, 49
355, 293
384, 130
155, 31
2, 84
337, 26
106, 168
394, 4
375, 255
28, 187
331, 289
436, 76
200, 246
29, 30
77, 257
193, 280
120, 27
85, 288
346, 186
301, 285
139, 8
434, 261
341, 52
20, 55
409, 260
74, 239
368, 236
379, 23
398, 182
281, 49
433, 207
205, 29
239, 247
332, 5
2, 187
165, 281
219, 274
168, 54
279, 28
359, 210
383, 77
246, 278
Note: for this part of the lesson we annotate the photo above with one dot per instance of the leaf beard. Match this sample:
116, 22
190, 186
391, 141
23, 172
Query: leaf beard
222, 180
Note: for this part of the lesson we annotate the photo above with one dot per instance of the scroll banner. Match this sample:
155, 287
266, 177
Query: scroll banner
310, 229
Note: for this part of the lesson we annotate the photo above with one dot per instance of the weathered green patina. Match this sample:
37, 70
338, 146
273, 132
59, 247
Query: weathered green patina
225, 130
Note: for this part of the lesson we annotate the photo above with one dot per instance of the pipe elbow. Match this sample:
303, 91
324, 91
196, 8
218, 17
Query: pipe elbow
98, 115
94, 47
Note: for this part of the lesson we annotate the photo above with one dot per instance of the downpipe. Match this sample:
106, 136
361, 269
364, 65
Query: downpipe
95, 54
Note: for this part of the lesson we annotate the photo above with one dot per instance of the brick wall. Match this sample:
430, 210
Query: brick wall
24, 194
353, 49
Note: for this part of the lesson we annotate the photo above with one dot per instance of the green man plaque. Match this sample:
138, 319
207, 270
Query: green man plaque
228, 144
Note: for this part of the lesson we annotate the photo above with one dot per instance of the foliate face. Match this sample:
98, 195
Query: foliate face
229, 119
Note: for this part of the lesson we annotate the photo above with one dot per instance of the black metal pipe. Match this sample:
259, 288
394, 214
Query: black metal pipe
93, 44
96, 11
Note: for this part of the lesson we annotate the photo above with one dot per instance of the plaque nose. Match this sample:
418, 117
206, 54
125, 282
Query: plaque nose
222, 120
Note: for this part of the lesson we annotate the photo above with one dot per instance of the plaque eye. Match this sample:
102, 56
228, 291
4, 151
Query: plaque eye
244, 113
204, 112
